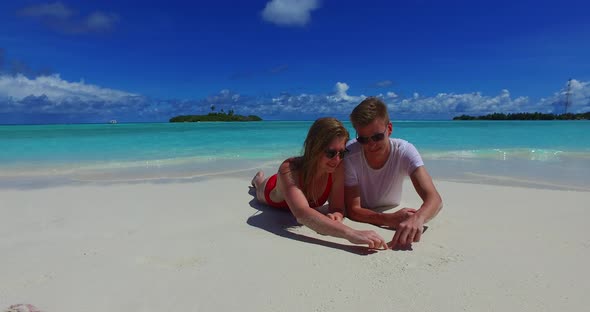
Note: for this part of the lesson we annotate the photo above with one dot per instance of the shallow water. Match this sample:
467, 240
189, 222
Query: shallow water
552, 154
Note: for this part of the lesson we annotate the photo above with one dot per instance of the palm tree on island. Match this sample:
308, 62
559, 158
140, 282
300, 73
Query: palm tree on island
213, 116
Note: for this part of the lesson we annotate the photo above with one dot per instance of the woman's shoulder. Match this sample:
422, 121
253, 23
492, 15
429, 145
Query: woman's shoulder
290, 165
288, 174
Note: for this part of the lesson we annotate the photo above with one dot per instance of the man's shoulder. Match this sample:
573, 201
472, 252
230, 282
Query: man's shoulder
401, 144
353, 147
354, 153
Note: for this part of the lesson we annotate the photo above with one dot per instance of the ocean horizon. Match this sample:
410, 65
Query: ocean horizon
546, 154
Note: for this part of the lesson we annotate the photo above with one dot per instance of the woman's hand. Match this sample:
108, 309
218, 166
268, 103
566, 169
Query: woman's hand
370, 238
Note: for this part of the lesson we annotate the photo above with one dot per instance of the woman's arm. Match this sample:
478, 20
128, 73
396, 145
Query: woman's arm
336, 201
316, 221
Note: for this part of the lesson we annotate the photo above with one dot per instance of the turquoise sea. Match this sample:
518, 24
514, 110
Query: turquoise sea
546, 154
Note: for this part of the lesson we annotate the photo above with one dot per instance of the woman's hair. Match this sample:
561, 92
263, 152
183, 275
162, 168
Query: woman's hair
320, 135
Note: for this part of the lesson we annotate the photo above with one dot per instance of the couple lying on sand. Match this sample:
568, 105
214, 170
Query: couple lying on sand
374, 169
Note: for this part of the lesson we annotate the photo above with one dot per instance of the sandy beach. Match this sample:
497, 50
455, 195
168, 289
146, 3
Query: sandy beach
208, 246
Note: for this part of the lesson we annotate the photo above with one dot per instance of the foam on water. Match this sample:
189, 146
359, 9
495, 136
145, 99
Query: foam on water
507, 154
555, 153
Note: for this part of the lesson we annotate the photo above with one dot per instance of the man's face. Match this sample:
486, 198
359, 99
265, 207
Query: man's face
374, 137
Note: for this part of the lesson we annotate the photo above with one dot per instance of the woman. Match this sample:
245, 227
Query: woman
306, 182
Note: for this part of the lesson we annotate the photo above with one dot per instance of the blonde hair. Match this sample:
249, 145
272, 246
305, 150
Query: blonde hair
367, 111
320, 135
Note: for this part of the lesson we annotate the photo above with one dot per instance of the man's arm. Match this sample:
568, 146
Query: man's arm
432, 202
410, 230
357, 213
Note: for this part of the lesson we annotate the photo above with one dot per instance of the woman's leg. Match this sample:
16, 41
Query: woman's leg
259, 183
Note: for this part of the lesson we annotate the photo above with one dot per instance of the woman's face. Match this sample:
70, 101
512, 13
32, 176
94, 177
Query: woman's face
332, 156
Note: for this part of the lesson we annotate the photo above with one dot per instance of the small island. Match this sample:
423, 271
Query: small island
526, 116
221, 116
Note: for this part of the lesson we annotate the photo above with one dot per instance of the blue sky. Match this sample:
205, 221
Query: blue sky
92, 61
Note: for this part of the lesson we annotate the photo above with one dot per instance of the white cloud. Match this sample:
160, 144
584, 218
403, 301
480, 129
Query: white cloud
579, 98
54, 96
341, 94
99, 21
340, 103
289, 12
471, 103
54, 10
56, 89
384, 83
59, 17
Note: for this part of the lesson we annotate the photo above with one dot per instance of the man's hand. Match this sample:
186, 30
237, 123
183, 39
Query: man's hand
370, 238
336, 216
394, 219
408, 231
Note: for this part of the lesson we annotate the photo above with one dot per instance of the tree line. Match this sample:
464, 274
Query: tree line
221, 116
526, 116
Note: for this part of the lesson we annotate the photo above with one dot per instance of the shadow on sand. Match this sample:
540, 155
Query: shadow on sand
279, 222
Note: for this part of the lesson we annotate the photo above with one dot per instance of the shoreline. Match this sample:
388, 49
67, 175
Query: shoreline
533, 175
59, 182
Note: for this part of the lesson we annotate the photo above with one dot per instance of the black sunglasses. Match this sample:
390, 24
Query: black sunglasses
330, 153
375, 137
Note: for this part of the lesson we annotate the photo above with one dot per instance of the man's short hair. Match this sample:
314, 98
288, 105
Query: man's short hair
367, 111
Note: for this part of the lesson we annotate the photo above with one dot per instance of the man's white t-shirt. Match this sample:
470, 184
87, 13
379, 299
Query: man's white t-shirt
381, 187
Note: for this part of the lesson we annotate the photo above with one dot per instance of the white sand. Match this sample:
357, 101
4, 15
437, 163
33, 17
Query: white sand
204, 246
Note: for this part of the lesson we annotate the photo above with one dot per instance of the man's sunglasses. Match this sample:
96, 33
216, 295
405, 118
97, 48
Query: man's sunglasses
330, 153
375, 137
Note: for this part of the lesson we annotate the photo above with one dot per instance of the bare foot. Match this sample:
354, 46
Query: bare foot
257, 179
22, 308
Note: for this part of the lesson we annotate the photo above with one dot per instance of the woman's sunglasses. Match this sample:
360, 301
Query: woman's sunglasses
375, 137
330, 153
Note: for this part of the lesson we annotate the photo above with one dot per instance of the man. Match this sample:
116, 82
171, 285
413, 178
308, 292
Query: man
375, 170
